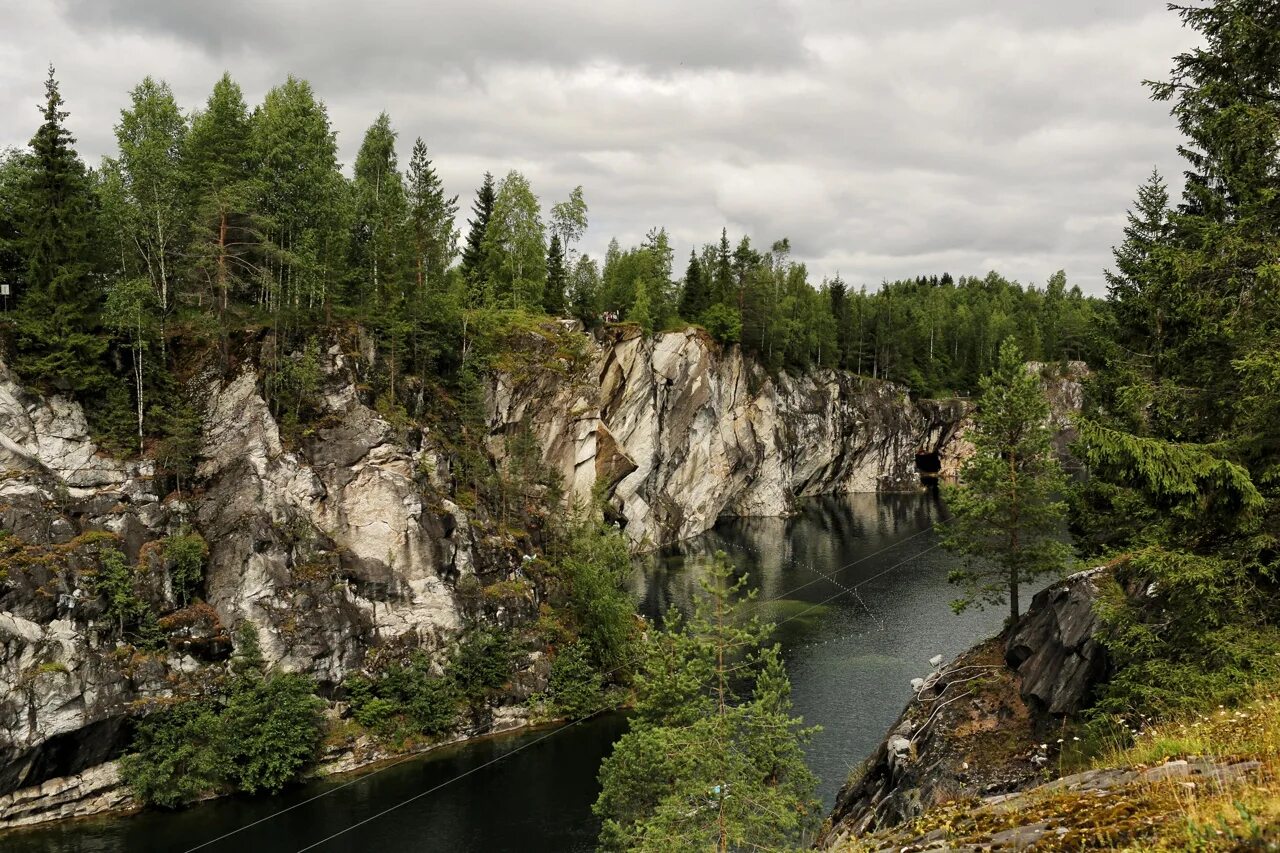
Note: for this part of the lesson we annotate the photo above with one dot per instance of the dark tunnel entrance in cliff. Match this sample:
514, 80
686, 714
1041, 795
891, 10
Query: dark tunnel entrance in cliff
928, 464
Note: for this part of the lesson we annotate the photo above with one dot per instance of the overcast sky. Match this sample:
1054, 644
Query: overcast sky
886, 138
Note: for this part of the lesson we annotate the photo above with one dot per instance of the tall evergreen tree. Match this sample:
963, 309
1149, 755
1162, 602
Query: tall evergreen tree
223, 193
473, 266
57, 337
696, 296
1007, 516
557, 278
431, 220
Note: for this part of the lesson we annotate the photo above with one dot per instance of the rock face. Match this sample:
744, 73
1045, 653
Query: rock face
682, 432
354, 535
981, 725
1055, 651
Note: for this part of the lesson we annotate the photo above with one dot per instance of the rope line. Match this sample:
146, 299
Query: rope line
365, 776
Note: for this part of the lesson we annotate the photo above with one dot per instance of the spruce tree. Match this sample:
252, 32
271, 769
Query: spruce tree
57, 332
696, 297
431, 216
473, 266
557, 277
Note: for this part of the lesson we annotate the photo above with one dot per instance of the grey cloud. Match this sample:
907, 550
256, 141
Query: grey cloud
884, 138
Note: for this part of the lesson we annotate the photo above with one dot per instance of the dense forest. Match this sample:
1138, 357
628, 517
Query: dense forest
224, 225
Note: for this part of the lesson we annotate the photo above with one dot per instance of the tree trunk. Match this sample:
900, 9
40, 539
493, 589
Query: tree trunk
222, 257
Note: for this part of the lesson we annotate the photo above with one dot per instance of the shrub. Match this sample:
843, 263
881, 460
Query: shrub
485, 660
272, 729
177, 755
575, 687
185, 552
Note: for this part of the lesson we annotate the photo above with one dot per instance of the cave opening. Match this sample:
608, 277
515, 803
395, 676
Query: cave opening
928, 464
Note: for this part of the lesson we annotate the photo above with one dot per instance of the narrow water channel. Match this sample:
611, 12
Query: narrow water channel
859, 589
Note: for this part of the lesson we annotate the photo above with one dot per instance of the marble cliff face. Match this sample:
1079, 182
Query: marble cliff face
356, 537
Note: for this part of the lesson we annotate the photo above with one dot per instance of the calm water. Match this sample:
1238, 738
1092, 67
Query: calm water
851, 658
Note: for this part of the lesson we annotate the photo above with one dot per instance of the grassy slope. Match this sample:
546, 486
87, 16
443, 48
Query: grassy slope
1152, 802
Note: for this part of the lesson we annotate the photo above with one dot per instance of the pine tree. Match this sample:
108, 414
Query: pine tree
696, 296
553, 295
57, 339
222, 194
473, 266
712, 759
1007, 514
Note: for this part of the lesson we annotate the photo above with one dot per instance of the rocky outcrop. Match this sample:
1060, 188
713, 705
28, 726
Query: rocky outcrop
1055, 650
353, 535
981, 725
682, 432
331, 548
97, 789
1119, 807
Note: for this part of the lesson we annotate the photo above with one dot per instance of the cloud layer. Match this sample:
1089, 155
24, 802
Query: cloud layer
885, 138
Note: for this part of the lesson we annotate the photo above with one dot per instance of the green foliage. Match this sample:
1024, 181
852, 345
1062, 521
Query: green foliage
1007, 516
575, 687
248, 663
484, 662
271, 731
1194, 484
177, 755
723, 323
596, 564
115, 581
185, 552
1200, 631
294, 387
262, 739
713, 758
405, 698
